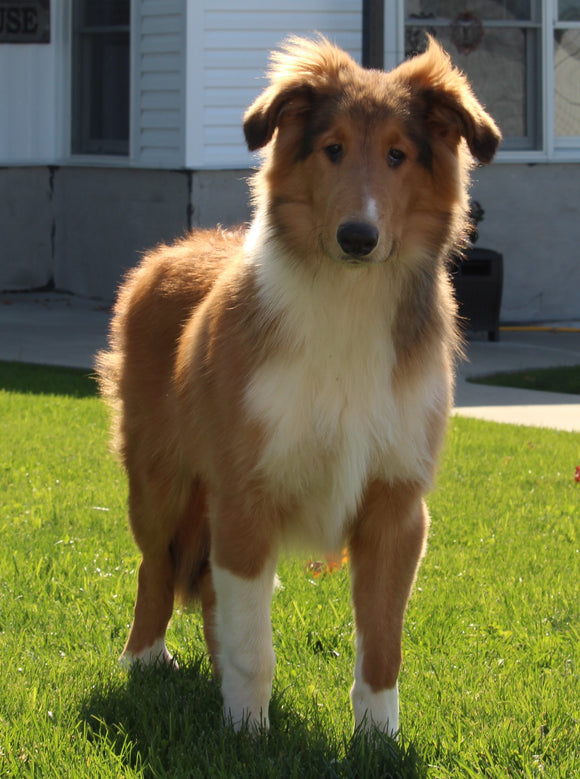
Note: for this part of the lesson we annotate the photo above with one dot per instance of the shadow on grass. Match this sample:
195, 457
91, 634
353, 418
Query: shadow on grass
565, 379
25, 378
166, 723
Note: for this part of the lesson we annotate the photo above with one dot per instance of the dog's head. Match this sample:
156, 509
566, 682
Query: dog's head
363, 166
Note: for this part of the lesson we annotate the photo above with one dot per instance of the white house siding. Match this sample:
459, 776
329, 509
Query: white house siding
28, 100
228, 46
159, 83
35, 89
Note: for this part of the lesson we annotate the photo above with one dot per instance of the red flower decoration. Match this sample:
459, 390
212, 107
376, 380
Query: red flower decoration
577, 474
330, 565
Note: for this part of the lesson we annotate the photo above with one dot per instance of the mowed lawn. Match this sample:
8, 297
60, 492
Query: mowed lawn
490, 683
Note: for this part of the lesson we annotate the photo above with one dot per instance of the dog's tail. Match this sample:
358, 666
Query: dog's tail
190, 546
108, 374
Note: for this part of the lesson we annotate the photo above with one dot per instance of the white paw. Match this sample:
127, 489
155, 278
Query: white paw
157, 653
246, 691
375, 709
240, 716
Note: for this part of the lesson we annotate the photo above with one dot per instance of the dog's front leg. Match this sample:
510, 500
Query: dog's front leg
245, 657
386, 546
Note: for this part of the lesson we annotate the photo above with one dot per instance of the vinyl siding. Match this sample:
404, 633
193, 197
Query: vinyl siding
235, 37
32, 98
159, 83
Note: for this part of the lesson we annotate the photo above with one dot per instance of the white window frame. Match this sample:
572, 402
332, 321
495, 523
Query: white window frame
63, 21
554, 149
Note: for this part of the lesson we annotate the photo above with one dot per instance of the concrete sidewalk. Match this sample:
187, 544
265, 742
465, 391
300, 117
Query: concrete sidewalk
514, 352
51, 328
60, 329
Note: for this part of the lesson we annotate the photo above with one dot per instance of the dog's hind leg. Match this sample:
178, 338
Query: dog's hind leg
170, 525
208, 610
386, 546
153, 609
153, 523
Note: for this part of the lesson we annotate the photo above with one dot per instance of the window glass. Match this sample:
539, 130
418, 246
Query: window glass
498, 46
567, 82
102, 13
497, 70
486, 9
569, 10
101, 77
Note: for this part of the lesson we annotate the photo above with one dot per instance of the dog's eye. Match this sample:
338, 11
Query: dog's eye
396, 157
334, 152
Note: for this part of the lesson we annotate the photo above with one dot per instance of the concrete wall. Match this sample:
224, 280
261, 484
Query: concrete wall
83, 227
220, 197
105, 217
532, 216
26, 227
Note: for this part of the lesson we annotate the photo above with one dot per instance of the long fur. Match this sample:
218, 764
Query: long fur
290, 384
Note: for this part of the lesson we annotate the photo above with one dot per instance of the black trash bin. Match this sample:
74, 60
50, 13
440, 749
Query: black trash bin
478, 281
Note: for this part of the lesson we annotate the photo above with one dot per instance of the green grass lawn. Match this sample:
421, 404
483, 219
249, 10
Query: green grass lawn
490, 684
564, 379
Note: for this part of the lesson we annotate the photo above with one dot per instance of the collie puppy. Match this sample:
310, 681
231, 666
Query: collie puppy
289, 385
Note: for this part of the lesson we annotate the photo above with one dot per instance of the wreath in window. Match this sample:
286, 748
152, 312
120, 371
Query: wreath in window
466, 32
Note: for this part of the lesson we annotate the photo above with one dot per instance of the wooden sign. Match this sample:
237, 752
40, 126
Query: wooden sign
24, 21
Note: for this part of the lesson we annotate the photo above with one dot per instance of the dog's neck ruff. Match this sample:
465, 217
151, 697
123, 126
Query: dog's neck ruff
319, 297
325, 395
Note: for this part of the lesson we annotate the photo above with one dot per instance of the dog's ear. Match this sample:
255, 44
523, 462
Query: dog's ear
271, 108
446, 101
300, 74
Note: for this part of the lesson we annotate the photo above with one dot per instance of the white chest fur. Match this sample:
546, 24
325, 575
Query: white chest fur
325, 396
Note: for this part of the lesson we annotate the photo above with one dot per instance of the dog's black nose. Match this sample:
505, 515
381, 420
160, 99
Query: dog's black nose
357, 239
